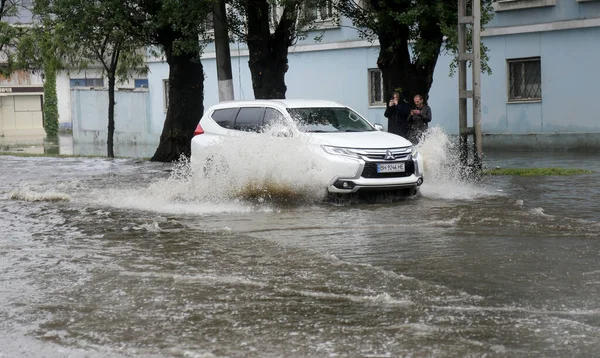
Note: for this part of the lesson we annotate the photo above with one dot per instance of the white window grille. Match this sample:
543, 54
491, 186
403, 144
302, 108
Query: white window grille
376, 88
320, 11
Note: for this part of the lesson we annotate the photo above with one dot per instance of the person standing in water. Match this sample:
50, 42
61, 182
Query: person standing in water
418, 120
397, 113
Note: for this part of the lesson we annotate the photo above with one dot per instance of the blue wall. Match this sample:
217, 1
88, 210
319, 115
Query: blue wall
564, 10
339, 71
570, 83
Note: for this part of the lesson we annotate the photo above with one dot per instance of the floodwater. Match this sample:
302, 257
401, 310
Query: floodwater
127, 258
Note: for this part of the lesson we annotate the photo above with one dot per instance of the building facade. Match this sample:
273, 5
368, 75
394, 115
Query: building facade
21, 94
544, 84
540, 95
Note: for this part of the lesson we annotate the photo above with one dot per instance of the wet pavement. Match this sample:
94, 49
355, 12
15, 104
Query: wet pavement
129, 258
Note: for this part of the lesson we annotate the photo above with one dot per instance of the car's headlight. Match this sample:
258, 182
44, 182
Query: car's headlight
339, 151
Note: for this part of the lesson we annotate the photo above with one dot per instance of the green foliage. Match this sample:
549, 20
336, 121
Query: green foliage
10, 34
428, 27
297, 18
536, 171
89, 32
157, 22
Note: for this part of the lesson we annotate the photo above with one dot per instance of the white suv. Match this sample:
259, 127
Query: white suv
358, 155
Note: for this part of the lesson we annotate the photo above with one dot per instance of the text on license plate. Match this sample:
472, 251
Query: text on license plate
390, 167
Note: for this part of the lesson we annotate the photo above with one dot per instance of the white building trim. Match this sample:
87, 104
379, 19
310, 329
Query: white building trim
294, 49
551, 26
307, 48
495, 31
504, 5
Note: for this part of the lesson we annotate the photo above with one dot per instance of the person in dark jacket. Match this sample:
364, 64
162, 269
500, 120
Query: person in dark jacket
419, 119
397, 112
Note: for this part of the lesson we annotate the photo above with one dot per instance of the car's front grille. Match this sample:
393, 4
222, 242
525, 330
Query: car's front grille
398, 156
370, 171
381, 154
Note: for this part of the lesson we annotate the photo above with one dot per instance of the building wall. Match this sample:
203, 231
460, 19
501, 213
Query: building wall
89, 112
332, 71
21, 107
21, 116
528, 12
64, 87
336, 68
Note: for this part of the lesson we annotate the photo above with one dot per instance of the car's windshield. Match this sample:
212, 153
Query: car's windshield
329, 120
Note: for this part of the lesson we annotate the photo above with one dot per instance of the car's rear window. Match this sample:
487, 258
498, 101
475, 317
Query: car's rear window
329, 120
224, 117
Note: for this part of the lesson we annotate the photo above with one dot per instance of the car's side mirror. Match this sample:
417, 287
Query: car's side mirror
378, 126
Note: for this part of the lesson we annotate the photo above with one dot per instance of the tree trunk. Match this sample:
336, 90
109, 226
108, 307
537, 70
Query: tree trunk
268, 53
111, 115
398, 68
185, 100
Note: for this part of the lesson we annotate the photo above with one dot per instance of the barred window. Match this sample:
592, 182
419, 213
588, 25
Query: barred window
376, 87
320, 10
525, 79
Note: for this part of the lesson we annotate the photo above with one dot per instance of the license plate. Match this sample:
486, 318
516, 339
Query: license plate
390, 167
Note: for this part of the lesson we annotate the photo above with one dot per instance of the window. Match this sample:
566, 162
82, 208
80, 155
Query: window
376, 88
166, 94
524, 80
504, 5
141, 83
224, 117
249, 119
320, 10
209, 23
273, 116
87, 82
329, 120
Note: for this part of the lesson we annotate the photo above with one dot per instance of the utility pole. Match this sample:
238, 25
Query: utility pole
474, 19
222, 51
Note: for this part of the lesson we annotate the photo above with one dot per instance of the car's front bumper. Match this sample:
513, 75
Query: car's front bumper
348, 175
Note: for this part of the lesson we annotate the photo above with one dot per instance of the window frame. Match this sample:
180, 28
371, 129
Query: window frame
522, 61
507, 5
320, 22
85, 81
236, 110
258, 124
381, 103
139, 83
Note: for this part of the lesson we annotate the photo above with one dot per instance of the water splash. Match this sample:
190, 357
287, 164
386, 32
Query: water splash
245, 174
261, 168
445, 178
262, 172
26, 194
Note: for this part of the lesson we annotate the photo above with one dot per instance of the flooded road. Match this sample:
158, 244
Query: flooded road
126, 258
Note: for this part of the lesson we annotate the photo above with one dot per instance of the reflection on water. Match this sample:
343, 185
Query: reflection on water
130, 258
64, 145
123, 150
